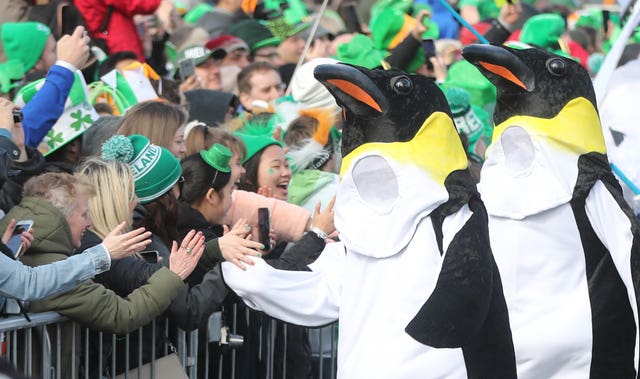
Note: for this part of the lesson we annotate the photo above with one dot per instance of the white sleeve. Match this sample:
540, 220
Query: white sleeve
308, 298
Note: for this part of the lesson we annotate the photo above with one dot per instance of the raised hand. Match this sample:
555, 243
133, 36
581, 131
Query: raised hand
184, 259
236, 245
122, 245
324, 220
74, 49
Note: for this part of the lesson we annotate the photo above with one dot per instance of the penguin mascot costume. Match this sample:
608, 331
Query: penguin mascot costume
565, 241
412, 280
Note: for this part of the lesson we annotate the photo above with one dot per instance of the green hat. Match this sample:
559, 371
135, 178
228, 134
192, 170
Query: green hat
155, 170
24, 41
465, 75
196, 12
255, 34
295, 11
469, 119
255, 143
390, 28
11, 75
402, 5
77, 117
282, 29
200, 54
543, 30
360, 51
218, 157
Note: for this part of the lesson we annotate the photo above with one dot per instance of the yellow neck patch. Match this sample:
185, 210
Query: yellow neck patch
576, 128
436, 148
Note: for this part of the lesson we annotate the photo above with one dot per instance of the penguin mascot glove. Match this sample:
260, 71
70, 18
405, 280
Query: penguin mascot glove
412, 281
565, 241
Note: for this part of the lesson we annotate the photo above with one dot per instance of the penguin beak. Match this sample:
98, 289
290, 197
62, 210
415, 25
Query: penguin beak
498, 63
353, 89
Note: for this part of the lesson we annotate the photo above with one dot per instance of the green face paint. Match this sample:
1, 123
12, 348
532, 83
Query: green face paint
271, 171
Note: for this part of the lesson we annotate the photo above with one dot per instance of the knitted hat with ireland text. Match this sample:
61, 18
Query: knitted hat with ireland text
155, 170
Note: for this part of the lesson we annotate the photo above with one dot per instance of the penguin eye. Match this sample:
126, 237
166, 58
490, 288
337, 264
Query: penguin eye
401, 85
556, 67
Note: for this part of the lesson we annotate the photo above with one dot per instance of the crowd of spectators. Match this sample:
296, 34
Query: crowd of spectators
162, 126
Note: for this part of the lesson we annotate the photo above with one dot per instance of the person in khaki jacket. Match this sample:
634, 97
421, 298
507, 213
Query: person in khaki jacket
58, 205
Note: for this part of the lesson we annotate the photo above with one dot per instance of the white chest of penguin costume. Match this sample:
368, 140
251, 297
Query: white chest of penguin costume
392, 265
527, 185
381, 273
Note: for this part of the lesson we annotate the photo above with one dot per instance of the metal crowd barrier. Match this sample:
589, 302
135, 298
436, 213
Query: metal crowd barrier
17, 336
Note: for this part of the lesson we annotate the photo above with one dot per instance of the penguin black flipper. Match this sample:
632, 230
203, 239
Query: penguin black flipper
612, 355
467, 309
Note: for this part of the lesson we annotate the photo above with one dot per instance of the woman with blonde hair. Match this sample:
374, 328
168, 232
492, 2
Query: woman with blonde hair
161, 122
114, 201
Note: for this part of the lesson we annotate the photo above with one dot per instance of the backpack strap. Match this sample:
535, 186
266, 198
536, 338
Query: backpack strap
105, 21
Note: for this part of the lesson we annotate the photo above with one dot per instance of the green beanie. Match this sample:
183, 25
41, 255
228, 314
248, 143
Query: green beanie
255, 34
218, 157
11, 75
155, 170
360, 51
196, 13
24, 41
465, 75
543, 30
256, 143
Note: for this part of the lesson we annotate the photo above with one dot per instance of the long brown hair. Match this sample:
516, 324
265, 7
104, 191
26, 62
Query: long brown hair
156, 120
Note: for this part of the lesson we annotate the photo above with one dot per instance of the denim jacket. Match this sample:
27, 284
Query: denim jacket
31, 283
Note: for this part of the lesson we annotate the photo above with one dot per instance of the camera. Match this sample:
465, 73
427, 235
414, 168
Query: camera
218, 332
17, 116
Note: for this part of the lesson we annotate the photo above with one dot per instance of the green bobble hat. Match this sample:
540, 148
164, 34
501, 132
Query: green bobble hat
543, 30
256, 143
24, 41
11, 75
255, 34
218, 157
360, 51
155, 170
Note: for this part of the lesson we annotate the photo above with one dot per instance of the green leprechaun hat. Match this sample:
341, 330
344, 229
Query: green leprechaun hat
76, 118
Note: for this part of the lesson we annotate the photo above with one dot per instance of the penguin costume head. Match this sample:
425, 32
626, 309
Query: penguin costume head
546, 122
378, 105
530, 82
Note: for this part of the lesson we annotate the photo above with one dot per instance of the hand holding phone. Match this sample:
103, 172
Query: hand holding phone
15, 241
264, 227
187, 68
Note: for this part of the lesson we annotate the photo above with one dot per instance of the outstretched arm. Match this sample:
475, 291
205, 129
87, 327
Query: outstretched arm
309, 298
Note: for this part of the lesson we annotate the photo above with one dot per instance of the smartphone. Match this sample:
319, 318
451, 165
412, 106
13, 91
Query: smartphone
187, 68
429, 48
264, 227
149, 256
15, 242
68, 21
